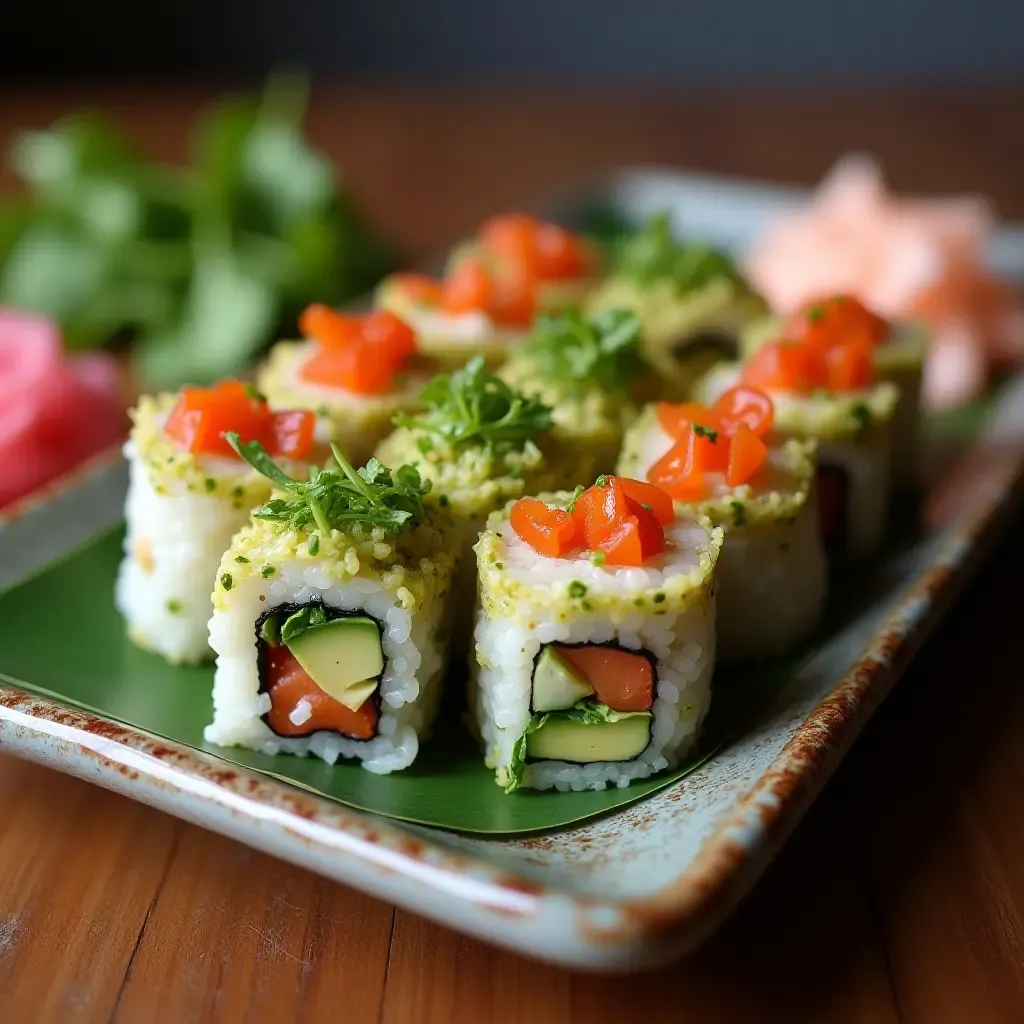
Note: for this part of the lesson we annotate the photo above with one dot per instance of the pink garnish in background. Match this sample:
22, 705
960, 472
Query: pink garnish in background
905, 258
55, 409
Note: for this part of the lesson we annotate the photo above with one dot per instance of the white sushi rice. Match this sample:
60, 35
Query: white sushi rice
173, 545
409, 687
683, 646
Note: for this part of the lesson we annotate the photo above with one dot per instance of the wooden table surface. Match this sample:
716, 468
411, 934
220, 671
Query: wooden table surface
900, 898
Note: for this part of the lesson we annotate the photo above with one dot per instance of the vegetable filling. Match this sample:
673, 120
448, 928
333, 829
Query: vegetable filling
590, 702
322, 669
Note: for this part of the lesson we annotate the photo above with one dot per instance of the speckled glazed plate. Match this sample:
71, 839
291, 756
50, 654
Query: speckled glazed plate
633, 888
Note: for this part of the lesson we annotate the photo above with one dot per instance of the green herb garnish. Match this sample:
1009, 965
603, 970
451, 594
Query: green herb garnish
739, 512
862, 414
199, 265
652, 254
701, 431
241, 560
577, 589
314, 544
373, 496
579, 352
597, 558
575, 497
174, 606
267, 571
472, 406
298, 622
226, 580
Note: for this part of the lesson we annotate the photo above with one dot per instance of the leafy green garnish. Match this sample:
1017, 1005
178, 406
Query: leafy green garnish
587, 711
472, 406
200, 264
701, 431
581, 352
374, 496
652, 254
298, 622
862, 414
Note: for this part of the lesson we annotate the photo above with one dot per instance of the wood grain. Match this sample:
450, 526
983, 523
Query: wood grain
899, 899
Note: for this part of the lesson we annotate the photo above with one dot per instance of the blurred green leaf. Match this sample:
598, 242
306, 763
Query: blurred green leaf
226, 315
202, 263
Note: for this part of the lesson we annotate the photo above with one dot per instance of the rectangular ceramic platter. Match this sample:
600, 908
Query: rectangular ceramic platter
637, 887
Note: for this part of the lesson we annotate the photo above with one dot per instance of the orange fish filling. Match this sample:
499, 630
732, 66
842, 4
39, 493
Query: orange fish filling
288, 684
622, 680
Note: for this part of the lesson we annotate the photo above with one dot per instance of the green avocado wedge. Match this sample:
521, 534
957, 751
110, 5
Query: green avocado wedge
95, 667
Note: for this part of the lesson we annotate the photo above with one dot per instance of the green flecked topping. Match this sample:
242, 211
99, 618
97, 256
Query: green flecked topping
414, 565
470, 481
314, 544
226, 580
210, 484
519, 594
241, 559
835, 417
174, 606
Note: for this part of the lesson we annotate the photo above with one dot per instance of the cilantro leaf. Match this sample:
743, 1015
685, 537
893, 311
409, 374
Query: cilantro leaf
652, 254
581, 352
374, 496
473, 407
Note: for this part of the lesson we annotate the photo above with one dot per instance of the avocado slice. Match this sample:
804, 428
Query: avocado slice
562, 739
556, 684
343, 657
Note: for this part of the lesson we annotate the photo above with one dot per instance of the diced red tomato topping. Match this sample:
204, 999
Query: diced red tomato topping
468, 287
677, 419
747, 453
622, 680
621, 518
747, 406
545, 250
288, 683
202, 416
361, 354
647, 495
549, 531
836, 320
598, 509
786, 366
850, 366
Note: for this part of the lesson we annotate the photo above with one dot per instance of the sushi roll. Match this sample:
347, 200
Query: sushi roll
188, 493
588, 370
725, 463
691, 299
475, 310
835, 398
595, 636
326, 615
477, 447
899, 352
356, 371
565, 266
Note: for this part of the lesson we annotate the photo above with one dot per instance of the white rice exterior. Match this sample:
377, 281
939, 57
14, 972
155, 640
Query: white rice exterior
173, 546
772, 577
181, 512
414, 658
681, 639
